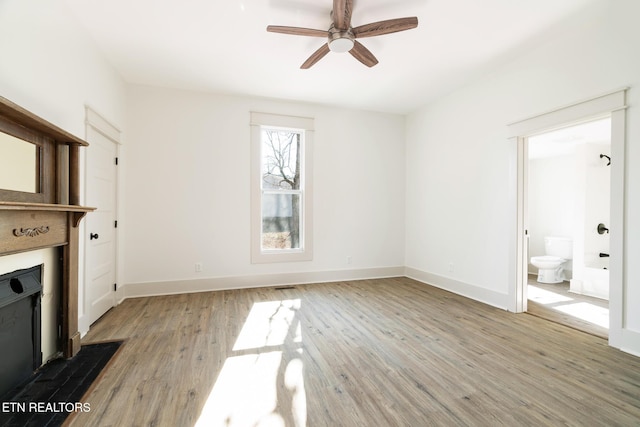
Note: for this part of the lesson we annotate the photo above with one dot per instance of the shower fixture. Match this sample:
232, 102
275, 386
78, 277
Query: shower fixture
608, 158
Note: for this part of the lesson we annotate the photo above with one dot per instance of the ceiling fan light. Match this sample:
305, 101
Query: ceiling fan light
340, 45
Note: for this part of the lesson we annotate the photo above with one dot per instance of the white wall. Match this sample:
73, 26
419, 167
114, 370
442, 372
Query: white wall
458, 167
49, 66
187, 194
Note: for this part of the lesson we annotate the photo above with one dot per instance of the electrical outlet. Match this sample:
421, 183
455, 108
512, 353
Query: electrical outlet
198, 267
451, 267
349, 259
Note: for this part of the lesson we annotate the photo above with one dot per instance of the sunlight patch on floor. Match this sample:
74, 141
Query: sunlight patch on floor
581, 310
244, 393
262, 383
269, 324
587, 312
545, 297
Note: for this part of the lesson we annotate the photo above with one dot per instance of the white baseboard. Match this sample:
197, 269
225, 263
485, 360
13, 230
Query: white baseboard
144, 289
477, 293
630, 342
83, 325
135, 290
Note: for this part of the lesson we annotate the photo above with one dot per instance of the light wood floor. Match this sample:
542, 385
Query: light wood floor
391, 352
549, 310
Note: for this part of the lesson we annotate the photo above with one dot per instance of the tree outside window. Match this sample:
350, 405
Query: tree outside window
282, 189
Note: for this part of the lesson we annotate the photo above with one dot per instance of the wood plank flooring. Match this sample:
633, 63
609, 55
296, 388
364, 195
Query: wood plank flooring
388, 352
548, 311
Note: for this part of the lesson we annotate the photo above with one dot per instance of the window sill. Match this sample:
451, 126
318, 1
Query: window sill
263, 257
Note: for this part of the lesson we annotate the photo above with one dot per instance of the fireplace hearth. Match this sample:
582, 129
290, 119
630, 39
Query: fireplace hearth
20, 326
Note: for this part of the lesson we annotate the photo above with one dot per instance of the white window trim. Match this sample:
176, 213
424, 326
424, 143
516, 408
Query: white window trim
306, 125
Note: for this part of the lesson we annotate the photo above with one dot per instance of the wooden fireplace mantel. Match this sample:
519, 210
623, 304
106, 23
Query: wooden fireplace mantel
48, 216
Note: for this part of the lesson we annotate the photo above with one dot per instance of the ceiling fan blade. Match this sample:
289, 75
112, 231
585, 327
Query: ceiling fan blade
385, 27
316, 56
297, 31
363, 54
342, 14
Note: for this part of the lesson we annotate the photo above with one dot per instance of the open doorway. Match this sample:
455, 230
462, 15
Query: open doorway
568, 201
611, 105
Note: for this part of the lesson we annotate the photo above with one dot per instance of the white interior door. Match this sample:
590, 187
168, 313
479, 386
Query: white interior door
100, 225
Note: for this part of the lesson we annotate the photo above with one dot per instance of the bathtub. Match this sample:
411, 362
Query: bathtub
594, 281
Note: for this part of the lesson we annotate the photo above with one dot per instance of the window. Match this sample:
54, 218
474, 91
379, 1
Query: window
281, 188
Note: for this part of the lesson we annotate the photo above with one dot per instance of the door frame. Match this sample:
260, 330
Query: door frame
611, 104
96, 122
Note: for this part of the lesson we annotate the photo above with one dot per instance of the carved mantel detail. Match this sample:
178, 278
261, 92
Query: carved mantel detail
30, 232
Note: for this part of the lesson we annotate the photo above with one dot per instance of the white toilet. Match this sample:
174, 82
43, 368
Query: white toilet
558, 251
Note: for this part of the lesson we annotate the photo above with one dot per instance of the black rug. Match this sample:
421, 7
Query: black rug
56, 389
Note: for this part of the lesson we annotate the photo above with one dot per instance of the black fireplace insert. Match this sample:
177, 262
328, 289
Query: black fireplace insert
20, 328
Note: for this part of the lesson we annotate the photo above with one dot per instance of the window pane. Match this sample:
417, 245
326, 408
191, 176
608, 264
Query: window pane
280, 159
281, 221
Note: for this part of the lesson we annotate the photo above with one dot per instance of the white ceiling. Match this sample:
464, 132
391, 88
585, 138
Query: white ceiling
223, 47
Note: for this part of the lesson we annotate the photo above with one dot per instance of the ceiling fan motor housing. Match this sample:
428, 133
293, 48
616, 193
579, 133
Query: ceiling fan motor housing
340, 40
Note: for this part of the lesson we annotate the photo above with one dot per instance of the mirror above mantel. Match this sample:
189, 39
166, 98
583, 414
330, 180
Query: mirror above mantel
19, 165
39, 159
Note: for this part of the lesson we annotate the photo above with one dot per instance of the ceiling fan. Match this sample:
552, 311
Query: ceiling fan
342, 36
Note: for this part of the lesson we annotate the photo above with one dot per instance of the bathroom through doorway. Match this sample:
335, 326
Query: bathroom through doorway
612, 105
568, 202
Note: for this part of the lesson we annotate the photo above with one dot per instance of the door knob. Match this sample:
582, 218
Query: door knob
93, 236
602, 229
